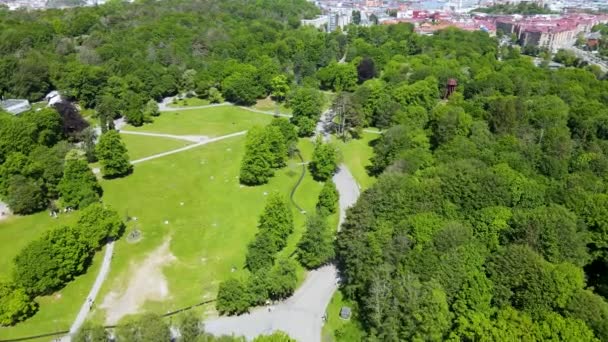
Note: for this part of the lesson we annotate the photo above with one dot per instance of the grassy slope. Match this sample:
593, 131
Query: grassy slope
57, 312
356, 154
211, 230
269, 105
214, 121
143, 146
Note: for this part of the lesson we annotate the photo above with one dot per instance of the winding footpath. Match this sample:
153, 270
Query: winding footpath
301, 315
88, 303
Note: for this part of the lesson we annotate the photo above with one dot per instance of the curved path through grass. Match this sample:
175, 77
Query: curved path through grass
301, 315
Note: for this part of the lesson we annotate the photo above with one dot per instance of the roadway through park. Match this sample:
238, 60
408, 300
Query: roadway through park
301, 315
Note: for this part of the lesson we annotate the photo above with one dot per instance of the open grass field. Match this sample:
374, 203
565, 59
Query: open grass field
356, 154
189, 102
140, 146
270, 105
210, 231
212, 122
56, 312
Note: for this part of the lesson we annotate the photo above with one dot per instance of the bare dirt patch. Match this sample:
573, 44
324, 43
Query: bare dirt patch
147, 282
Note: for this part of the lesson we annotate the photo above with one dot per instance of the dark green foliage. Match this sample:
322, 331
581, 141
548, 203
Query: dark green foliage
283, 279
242, 88
316, 247
91, 333
145, 328
78, 187
274, 227
113, 155
24, 195
232, 297
324, 161
51, 261
591, 309
15, 304
277, 336
99, 224
328, 199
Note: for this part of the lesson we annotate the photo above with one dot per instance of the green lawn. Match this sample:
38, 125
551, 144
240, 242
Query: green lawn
189, 102
140, 146
356, 154
269, 105
58, 311
17, 231
337, 329
214, 121
210, 232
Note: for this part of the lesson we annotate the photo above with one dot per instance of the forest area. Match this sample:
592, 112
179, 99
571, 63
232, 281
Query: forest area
489, 220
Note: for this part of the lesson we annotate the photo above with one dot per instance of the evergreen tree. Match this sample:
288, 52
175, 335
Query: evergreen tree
283, 279
324, 161
256, 166
233, 297
328, 199
278, 146
113, 155
316, 246
78, 187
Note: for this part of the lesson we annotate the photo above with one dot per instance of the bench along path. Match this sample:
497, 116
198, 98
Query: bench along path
301, 315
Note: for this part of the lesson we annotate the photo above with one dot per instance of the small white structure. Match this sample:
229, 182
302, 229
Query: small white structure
15, 106
53, 97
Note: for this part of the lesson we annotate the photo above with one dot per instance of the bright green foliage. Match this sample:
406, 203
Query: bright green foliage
277, 336
422, 93
256, 166
214, 95
151, 108
283, 279
316, 246
190, 327
274, 137
328, 199
113, 155
78, 187
51, 261
241, 87
306, 106
91, 333
232, 297
324, 161
287, 129
338, 77
99, 224
280, 87
15, 304
145, 328
551, 231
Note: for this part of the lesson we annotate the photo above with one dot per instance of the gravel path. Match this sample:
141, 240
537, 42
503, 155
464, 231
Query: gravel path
191, 138
88, 303
189, 147
300, 316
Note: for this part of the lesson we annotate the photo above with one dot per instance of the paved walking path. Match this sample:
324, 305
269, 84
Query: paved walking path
88, 303
189, 147
191, 138
301, 315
